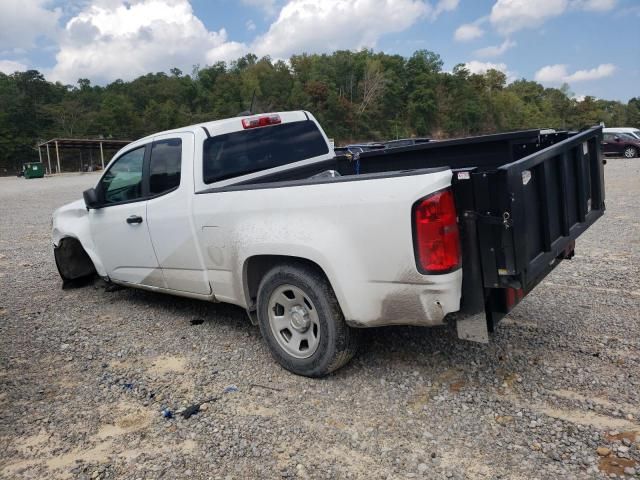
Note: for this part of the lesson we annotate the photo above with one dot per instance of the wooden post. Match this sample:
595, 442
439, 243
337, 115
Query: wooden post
57, 156
101, 155
39, 154
49, 159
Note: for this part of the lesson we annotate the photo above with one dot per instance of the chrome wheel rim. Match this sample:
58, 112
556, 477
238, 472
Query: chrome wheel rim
294, 321
629, 153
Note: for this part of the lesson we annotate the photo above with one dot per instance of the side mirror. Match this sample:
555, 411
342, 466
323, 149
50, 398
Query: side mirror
91, 198
616, 138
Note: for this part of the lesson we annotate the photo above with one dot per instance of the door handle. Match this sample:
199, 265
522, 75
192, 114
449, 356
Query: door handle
134, 219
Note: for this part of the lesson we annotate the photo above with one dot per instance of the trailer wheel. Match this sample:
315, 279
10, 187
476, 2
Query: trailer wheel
302, 323
630, 152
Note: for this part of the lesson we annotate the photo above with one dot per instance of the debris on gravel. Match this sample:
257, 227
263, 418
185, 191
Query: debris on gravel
97, 382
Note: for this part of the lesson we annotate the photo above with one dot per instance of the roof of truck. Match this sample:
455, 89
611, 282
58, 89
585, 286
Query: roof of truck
210, 127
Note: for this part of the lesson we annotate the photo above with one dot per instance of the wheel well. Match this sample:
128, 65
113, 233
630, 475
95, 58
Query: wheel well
257, 267
72, 260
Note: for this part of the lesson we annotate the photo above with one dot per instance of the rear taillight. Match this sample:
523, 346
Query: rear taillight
436, 237
262, 121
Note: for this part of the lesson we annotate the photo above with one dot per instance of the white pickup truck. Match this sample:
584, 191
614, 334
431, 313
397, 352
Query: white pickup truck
258, 211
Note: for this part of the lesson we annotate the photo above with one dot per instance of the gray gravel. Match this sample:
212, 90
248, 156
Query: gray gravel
85, 374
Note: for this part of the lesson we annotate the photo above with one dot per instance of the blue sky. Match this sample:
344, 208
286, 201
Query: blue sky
593, 45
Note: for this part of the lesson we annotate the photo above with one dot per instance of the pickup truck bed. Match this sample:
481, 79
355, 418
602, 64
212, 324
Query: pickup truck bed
522, 200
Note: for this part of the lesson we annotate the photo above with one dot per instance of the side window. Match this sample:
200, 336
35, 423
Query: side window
123, 181
165, 163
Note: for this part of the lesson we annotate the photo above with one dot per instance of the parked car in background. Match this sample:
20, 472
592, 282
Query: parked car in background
634, 132
621, 144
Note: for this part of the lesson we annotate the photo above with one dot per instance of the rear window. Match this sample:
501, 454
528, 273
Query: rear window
239, 153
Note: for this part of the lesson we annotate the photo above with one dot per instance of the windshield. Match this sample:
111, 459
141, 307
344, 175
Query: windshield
636, 134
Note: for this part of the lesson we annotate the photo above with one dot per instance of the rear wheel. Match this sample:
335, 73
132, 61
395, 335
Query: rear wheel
302, 323
630, 152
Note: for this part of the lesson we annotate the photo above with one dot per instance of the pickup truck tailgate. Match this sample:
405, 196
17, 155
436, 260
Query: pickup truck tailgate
519, 220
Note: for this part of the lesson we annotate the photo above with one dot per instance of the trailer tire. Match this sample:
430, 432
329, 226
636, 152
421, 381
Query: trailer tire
302, 323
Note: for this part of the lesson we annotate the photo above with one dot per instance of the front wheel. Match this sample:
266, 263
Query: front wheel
302, 323
630, 152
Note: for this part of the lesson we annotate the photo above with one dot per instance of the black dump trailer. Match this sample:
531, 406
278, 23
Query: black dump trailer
522, 199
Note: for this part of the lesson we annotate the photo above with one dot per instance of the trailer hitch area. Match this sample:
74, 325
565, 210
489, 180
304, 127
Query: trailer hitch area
504, 220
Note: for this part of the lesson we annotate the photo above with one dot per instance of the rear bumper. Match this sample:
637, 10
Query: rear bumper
420, 301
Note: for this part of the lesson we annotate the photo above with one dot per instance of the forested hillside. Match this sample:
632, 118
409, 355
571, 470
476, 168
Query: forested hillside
355, 95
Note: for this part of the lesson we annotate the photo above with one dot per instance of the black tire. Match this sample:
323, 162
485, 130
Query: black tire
630, 152
337, 343
74, 265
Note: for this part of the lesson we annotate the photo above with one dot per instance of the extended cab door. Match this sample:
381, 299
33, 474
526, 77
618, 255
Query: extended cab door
119, 228
169, 213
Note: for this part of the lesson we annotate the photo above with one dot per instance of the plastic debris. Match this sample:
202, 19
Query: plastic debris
230, 389
166, 413
191, 410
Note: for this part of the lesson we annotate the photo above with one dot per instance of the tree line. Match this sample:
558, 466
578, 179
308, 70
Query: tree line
356, 96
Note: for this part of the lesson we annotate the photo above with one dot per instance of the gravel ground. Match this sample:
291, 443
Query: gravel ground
85, 374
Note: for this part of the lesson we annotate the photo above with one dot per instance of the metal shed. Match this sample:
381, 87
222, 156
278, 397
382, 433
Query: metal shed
80, 144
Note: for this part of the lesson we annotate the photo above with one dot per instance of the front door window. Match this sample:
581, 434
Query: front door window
123, 180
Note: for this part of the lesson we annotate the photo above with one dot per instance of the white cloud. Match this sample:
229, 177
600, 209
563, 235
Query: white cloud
10, 66
312, 26
251, 26
558, 73
509, 16
495, 50
601, 71
551, 74
116, 39
23, 22
474, 66
468, 32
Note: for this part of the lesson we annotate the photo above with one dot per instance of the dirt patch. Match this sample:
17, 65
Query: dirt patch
255, 410
615, 465
618, 437
581, 417
603, 402
168, 364
126, 424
